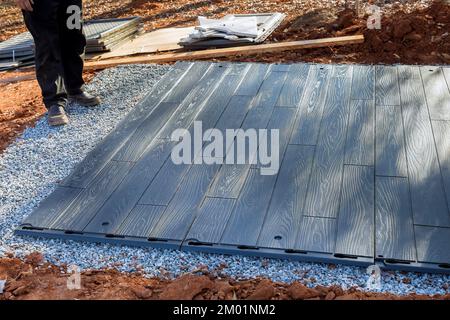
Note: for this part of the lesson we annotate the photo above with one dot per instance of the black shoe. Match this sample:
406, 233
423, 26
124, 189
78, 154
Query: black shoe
57, 116
85, 99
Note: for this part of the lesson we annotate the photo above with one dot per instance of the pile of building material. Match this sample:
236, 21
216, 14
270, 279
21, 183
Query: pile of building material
232, 30
102, 35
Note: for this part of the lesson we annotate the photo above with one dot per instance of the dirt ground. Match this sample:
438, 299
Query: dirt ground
32, 279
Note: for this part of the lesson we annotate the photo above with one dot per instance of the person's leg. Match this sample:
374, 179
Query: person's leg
72, 44
43, 25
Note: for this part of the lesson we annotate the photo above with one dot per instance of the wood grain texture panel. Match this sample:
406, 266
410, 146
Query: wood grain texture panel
307, 125
408, 72
324, 188
284, 215
281, 67
182, 209
253, 79
294, 86
433, 244
52, 207
270, 89
390, 142
316, 235
363, 83
355, 223
361, 133
211, 220
87, 204
394, 225
231, 177
195, 102
129, 191
342, 71
428, 198
165, 184
182, 89
86, 171
249, 213
387, 91
141, 221
437, 93
146, 132
441, 130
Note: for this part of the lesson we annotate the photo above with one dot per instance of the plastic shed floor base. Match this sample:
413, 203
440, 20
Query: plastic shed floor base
364, 175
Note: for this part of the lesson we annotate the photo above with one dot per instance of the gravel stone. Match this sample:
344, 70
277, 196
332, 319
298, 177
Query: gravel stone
31, 167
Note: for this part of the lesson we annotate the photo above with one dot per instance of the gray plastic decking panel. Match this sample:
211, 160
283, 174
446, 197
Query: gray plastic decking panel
359, 148
394, 233
364, 172
437, 93
390, 142
306, 128
427, 191
326, 176
355, 221
387, 86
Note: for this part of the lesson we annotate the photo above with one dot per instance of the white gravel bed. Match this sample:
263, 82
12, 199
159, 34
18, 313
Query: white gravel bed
31, 167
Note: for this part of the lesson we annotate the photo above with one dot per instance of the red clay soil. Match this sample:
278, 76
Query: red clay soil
32, 279
20, 105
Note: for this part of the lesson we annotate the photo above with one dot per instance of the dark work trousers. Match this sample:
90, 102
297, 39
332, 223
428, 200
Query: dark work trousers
59, 50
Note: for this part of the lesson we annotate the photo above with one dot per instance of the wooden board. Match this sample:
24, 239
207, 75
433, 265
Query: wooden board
363, 175
215, 53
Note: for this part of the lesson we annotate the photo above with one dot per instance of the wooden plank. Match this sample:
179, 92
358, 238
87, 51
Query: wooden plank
387, 91
182, 89
307, 125
363, 82
86, 171
141, 221
225, 52
394, 225
284, 215
316, 235
441, 130
355, 223
165, 184
432, 244
211, 220
361, 133
248, 215
181, 211
428, 198
87, 204
51, 207
270, 90
196, 100
326, 179
129, 191
294, 86
253, 79
437, 92
390, 142
146, 132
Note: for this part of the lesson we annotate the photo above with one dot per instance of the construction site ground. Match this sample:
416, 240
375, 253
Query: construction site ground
413, 32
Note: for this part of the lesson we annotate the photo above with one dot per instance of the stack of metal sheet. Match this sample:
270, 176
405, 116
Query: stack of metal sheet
102, 35
232, 30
